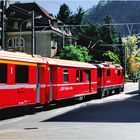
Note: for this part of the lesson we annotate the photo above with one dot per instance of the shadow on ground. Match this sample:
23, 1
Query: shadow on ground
125, 111
118, 111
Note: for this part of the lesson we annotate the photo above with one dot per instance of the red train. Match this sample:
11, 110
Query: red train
27, 80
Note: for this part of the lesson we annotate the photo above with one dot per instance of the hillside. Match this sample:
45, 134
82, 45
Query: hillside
121, 11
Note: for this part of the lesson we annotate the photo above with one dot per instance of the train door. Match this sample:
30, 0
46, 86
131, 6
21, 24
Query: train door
51, 84
99, 76
88, 79
38, 84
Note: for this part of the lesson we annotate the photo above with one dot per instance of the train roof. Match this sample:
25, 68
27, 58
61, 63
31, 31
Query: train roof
69, 63
19, 56
108, 65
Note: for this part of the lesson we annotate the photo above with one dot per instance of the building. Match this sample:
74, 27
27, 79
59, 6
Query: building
50, 33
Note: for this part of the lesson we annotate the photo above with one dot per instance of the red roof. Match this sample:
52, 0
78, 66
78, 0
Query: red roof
18, 56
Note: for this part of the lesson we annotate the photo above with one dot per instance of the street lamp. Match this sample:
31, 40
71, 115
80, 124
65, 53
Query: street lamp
32, 36
20, 29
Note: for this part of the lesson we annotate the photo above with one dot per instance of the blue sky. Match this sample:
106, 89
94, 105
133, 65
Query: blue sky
53, 5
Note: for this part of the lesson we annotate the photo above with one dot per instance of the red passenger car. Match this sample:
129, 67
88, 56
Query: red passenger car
110, 79
18, 79
70, 79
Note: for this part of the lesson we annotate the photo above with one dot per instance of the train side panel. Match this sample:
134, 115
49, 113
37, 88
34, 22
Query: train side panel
73, 82
17, 84
69, 80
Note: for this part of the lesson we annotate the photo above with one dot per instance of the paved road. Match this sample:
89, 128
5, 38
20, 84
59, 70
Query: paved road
113, 118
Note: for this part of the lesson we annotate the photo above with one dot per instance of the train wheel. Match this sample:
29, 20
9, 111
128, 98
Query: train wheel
99, 95
106, 93
117, 91
110, 92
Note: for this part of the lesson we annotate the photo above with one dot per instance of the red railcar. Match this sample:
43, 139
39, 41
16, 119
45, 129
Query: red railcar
18, 79
70, 79
110, 79
31, 80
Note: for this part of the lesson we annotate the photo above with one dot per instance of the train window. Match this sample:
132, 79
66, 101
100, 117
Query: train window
21, 74
77, 75
108, 72
3, 73
81, 76
99, 72
119, 72
87, 75
65, 73
123, 72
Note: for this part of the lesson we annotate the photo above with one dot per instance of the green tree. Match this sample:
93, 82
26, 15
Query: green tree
131, 50
120, 50
89, 35
76, 53
77, 18
108, 32
132, 66
112, 56
64, 14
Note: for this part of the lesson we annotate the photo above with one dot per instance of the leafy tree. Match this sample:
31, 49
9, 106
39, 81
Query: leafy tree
120, 50
131, 56
108, 32
131, 44
77, 18
67, 17
132, 66
76, 53
112, 56
64, 14
89, 35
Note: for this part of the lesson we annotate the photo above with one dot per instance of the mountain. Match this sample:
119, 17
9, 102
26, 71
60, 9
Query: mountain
123, 13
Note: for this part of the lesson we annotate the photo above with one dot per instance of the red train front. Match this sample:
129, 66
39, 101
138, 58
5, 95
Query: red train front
110, 79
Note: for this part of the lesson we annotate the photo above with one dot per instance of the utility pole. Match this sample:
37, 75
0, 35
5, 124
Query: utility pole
33, 34
2, 42
0, 24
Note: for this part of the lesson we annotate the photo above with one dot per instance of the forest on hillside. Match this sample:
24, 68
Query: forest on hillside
121, 12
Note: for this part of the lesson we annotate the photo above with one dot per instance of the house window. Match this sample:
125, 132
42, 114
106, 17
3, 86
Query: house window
3, 73
53, 44
21, 74
28, 25
10, 42
65, 73
14, 42
15, 25
21, 42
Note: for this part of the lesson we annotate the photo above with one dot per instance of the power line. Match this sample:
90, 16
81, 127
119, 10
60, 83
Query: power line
128, 25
